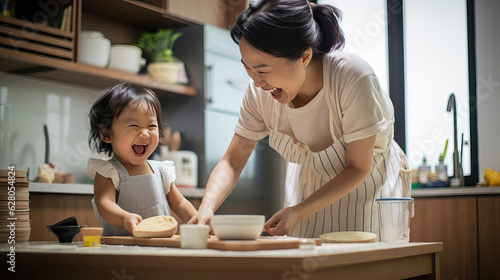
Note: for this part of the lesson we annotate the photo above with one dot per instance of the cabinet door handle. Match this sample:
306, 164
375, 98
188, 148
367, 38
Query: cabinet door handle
237, 84
208, 84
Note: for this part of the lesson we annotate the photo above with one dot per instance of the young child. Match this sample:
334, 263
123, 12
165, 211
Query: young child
125, 123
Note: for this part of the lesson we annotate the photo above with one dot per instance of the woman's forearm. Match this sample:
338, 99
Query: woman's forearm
220, 184
226, 172
341, 185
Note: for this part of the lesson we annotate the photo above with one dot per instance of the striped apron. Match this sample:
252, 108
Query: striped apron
141, 194
307, 171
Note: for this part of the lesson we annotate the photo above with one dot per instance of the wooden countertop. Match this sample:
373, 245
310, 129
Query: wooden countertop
51, 260
88, 189
459, 191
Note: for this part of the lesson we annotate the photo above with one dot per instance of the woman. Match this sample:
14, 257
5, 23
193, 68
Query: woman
324, 112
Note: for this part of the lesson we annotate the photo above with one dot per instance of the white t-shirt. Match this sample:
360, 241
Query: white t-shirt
360, 108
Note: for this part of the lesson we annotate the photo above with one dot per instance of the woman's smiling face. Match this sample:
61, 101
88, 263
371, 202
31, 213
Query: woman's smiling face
278, 76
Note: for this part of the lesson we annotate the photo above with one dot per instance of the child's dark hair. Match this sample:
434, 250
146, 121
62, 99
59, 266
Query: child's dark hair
111, 104
287, 28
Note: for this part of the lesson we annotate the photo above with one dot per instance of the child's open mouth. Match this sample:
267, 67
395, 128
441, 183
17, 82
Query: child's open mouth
139, 149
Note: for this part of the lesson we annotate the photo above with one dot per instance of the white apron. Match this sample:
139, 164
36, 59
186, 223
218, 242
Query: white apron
141, 194
307, 171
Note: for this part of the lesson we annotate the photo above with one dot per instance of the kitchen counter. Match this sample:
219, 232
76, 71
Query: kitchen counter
52, 260
200, 192
89, 189
459, 191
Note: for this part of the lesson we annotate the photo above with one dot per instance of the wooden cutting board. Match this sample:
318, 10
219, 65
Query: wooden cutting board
262, 243
173, 242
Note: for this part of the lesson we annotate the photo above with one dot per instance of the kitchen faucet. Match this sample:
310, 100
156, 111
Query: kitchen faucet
458, 176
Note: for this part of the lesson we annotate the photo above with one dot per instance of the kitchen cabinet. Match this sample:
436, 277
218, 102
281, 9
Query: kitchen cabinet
488, 235
48, 208
225, 77
468, 226
221, 13
40, 53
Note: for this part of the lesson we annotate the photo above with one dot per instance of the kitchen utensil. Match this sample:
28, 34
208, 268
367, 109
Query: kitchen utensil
71, 221
66, 229
194, 236
47, 143
394, 219
348, 237
261, 243
93, 48
238, 227
126, 58
65, 234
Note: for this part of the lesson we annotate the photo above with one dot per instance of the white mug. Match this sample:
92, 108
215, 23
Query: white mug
194, 236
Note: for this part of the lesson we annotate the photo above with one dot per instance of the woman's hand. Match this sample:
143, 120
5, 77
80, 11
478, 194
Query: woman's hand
203, 217
282, 222
131, 221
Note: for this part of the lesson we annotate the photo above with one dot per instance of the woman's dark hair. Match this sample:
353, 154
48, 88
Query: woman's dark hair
287, 28
111, 104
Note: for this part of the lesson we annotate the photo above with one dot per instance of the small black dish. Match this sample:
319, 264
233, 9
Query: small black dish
65, 234
71, 221
66, 229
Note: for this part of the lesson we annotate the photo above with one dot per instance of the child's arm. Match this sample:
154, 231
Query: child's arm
105, 199
179, 204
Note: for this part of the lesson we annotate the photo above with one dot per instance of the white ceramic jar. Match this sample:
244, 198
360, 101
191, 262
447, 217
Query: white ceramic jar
194, 236
93, 48
126, 58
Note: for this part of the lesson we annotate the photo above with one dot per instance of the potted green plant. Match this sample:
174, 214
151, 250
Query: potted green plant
164, 67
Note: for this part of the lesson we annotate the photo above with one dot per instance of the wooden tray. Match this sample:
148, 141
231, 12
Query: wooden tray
262, 243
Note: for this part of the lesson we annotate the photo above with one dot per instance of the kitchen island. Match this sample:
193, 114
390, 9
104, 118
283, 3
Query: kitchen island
52, 260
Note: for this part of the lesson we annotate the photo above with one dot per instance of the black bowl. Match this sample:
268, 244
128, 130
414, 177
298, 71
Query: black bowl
71, 221
65, 234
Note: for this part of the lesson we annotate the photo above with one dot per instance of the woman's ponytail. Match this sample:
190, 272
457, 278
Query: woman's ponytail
328, 19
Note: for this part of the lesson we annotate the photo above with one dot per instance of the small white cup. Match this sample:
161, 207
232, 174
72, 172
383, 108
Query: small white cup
194, 236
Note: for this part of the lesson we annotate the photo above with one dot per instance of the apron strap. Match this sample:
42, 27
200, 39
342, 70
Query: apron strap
122, 171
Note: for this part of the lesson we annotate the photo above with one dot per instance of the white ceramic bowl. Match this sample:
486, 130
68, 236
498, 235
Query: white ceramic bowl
126, 58
238, 227
93, 48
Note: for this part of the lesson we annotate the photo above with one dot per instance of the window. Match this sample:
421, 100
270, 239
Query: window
437, 63
425, 52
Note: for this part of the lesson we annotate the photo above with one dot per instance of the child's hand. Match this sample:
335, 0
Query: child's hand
131, 221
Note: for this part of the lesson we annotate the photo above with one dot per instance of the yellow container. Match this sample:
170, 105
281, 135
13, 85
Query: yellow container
91, 236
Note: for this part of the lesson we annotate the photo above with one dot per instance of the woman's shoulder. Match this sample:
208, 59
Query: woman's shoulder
346, 63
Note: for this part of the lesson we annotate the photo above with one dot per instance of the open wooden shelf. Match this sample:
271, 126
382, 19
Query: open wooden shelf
37, 54
32, 65
138, 13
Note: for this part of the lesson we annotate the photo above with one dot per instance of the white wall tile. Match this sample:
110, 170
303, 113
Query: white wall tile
25, 106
